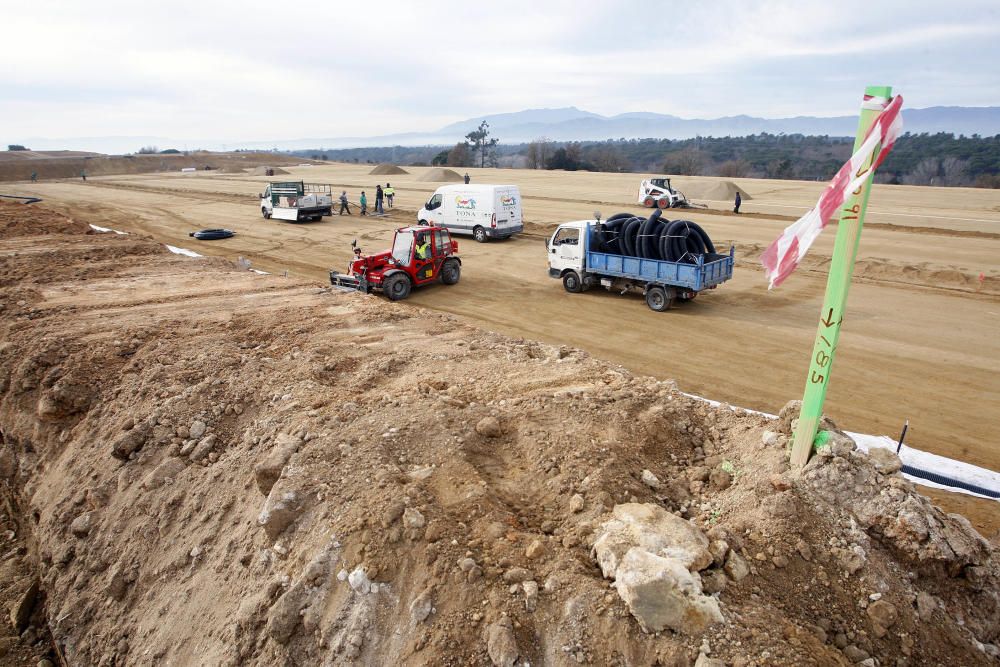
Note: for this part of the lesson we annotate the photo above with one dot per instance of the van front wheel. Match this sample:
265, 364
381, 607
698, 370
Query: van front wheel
480, 235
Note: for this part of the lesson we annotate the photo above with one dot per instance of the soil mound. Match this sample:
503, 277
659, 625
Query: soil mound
384, 169
262, 171
329, 478
713, 191
440, 175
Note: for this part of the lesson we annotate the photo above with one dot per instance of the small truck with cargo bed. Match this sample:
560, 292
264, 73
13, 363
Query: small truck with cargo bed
419, 256
589, 253
296, 201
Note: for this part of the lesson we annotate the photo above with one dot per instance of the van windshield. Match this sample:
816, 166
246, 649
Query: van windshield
402, 248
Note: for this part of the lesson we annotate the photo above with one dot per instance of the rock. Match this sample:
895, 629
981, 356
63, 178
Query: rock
285, 614
501, 644
535, 550
713, 581
769, 438
169, 469
392, 512
131, 442
489, 427
926, 604
412, 518
516, 575
652, 529
885, 460
779, 561
661, 593
203, 448
780, 482
281, 509
117, 585
466, 564
358, 580
269, 470
20, 611
855, 654
719, 479
197, 429
718, 549
650, 480
422, 606
82, 524
704, 661
736, 567
576, 503
883, 615
530, 589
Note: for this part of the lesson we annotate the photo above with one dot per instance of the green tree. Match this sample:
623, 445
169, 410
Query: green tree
440, 159
16, 147
481, 143
459, 155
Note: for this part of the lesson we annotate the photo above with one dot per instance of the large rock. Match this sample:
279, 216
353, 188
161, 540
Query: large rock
885, 460
501, 644
652, 529
131, 442
269, 469
169, 469
286, 614
661, 593
281, 509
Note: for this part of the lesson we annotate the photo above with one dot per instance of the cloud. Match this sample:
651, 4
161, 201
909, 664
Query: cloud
255, 70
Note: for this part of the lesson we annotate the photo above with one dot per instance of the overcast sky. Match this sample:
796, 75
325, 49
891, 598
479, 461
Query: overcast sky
233, 71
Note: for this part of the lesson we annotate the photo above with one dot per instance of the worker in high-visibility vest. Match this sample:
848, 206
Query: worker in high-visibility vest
423, 248
389, 192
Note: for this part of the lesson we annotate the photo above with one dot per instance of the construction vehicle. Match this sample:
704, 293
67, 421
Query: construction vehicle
419, 256
657, 193
296, 201
582, 256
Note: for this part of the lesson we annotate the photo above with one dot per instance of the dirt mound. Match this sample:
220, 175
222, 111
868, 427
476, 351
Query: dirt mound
440, 175
384, 169
713, 191
16, 221
327, 478
262, 171
59, 166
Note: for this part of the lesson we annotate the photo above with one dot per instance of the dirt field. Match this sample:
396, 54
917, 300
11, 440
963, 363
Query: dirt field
201, 465
920, 341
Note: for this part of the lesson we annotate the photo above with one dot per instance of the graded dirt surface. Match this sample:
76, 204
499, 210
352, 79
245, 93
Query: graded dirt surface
919, 342
202, 465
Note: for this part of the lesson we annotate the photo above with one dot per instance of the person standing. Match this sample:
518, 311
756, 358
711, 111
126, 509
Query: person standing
389, 192
343, 203
739, 200
467, 179
379, 195
364, 203
34, 177
83, 174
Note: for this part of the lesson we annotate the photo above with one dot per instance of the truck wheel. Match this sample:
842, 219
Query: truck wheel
572, 282
396, 287
451, 271
480, 235
657, 299
264, 212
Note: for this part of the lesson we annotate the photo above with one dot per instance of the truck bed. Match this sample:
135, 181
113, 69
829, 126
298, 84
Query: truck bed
711, 269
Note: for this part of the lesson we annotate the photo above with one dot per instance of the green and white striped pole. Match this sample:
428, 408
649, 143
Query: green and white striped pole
845, 249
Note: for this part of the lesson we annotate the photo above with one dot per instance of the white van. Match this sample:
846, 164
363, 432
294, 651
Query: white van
485, 211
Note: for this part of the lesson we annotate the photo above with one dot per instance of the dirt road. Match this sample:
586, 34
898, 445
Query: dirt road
920, 342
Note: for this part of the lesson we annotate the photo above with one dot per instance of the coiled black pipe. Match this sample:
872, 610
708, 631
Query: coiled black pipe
27, 200
653, 238
947, 481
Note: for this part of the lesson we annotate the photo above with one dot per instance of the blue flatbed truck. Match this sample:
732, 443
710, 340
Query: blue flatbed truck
573, 260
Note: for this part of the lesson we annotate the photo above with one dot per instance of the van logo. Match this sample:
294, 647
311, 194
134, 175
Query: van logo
507, 200
465, 202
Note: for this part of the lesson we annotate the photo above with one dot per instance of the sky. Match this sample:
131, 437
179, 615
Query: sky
259, 71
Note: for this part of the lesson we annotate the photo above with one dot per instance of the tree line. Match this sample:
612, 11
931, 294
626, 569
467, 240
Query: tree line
917, 159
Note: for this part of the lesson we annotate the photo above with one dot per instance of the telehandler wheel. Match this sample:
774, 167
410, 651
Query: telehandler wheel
572, 282
396, 287
264, 212
657, 299
451, 271
480, 235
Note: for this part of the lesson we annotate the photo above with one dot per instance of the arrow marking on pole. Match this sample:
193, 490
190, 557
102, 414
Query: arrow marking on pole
828, 322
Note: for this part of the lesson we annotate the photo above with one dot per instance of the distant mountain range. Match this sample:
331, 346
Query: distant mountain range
572, 124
